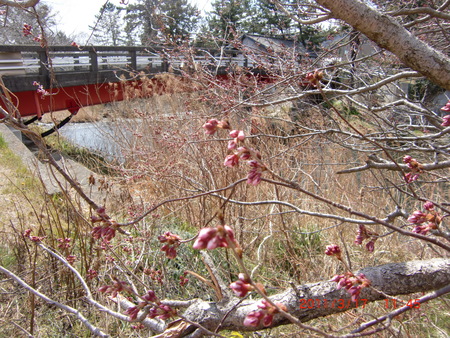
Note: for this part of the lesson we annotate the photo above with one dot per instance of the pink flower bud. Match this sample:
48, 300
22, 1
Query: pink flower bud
150, 296
407, 159
428, 206
232, 145
231, 160
211, 238
446, 107
237, 134
446, 120
211, 126
417, 217
333, 250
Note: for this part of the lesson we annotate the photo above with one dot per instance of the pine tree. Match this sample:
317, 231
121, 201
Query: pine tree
228, 17
161, 20
109, 26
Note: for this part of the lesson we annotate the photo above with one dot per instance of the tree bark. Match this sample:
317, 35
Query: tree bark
387, 33
392, 279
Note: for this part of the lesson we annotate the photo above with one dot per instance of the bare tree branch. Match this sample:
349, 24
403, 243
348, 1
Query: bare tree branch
389, 34
390, 279
96, 331
375, 162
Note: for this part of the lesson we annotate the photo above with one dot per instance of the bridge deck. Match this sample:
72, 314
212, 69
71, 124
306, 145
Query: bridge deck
77, 77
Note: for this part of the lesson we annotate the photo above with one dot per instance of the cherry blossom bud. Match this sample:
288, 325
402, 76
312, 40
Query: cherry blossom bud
211, 126
244, 153
237, 134
254, 175
212, 238
253, 318
446, 107
232, 145
417, 217
26, 30
91, 274
231, 160
263, 316
71, 259
150, 296
407, 159
333, 250
133, 312
446, 121
370, 246
428, 206
242, 286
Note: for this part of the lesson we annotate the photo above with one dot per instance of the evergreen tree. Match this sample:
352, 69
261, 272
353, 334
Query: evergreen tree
179, 19
269, 20
161, 20
109, 27
228, 17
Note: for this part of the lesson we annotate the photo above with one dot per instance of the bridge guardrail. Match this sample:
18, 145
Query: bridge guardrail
19, 60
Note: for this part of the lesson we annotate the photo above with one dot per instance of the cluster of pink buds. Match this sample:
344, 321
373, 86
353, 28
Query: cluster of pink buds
425, 221
263, 316
212, 238
364, 234
172, 242
314, 78
446, 118
238, 153
64, 243
91, 274
416, 169
107, 229
183, 279
353, 284
36, 239
115, 288
255, 173
160, 310
213, 125
74, 44
155, 275
71, 259
26, 30
333, 250
238, 136
242, 286
40, 89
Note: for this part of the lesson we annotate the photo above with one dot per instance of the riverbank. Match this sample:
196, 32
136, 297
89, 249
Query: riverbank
23, 160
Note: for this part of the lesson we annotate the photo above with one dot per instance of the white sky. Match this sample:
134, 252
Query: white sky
75, 16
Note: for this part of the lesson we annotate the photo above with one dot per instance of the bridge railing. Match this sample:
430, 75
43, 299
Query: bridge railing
17, 60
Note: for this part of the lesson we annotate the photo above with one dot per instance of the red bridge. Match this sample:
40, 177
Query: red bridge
37, 80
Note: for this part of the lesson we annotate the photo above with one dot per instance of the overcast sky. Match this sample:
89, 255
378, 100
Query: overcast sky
75, 16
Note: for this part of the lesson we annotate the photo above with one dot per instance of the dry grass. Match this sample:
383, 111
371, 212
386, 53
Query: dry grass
170, 157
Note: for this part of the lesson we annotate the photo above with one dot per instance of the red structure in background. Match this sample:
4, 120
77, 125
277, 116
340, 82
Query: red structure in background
30, 103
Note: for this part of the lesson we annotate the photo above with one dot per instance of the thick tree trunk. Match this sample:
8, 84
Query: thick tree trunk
387, 33
392, 279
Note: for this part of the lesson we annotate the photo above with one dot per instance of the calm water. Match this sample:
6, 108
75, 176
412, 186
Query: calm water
99, 137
